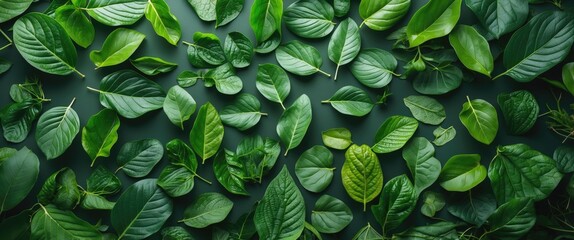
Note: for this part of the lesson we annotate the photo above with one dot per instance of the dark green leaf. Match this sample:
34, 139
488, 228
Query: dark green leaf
238, 48
206, 51
205, 9
441, 230
310, 18
207, 132
361, 174
17, 119
337, 138
270, 44
341, 7
367, 233
178, 105
314, 169
93, 201
228, 173
227, 10
265, 18
100, 134
394, 133
437, 81
175, 233
426, 109
294, 122
153, 66
433, 20
345, 44
18, 174
56, 130
50, 222
520, 110
13, 8
374, 67
188, 78
462, 172
474, 209
207, 209
243, 113
499, 16
103, 182
351, 101
330, 215
382, 15
299, 58
564, 157
480, 119
137, 158
16, 227
4, 65
512, 220
61, 189
424, 167
164, 23
176, 181
397, 202
76, 24
568, 77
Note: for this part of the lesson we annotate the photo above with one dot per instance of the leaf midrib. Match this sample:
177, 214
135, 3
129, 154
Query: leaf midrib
137, 216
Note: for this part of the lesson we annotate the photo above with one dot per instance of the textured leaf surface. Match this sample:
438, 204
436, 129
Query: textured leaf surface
424, 167
314, 168
207, 209
394, 133
374, 67
519, 109
361, 174
52, 223
294, 122
207, 132
382, 15
138, 158
56, 130
397, 202
480, 119
426, 109
18, 174
117, 48
310, 18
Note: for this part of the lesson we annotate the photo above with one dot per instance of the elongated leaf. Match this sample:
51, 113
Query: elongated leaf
227, 10
125, 89
426, 109
435, 19
45, 45
299, 58
281, 212
238, 48
138, 158
50, 222
76, 24
294, 122
207, 209
437, 81
56, 130
17, 119
526, 57
13, 8
207, 132
224, 79
439, 230
100, 134
480, 119
352, 101
18, 174
499, 16
118, 47
178, 105
243, 113
374, 67
424, 167
337, 138
513, 219
397, 202
153, 66
310, 18
141, 210
519, 171
520, 110
314, 168
462, 172
472, 49
114, 12
443, 136
228, 174
164, 23
382, 15
265, 18
206, 51
345, 44
330, 215
273, 83
394, 133
361, 174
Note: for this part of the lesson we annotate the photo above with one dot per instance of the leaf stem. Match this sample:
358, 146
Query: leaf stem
323, 72
325, 101
283, 106
202, 179
79, 73
5, 46
263, 114
187, 43
5, 36
336, 72
94, 90
72, 103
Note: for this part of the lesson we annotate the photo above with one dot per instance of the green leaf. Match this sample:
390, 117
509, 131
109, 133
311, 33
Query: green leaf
175, 233
13, 8
207, 132
273, 83
44, 44
100, 134
351, 101
474, 209
61, 189
243, 113
462, 172
499, 16
103, 182
397, 202
4, 65
206, 51
564, 156
122, 90
164, 23
227, 10
443, 136
341, 7
374, 67
568, 77
18, 174
361, 174
512, 220
115, 12
205, 9
424, 167
425, 109
93, 201
294, 122
257, 156
439, 230
472, 49
76, 24
520, 111
433, 20
310, 232
310, 18
117, 48
16, 227
137, 158
437, 81
265, 18
152, 66
539, 45
238, 48
176, 181
314, 168
188, 78
141, 210
299, 58
367, 233
330, 215
270, 44
382, 15
17, 119
5, 153
56, 130
394, 133
480, 119
178, 105
207, 209
433, 203
180, 154
337, 138
224, 79
519, 171
50, 222
281, 212
228, 174
345, 44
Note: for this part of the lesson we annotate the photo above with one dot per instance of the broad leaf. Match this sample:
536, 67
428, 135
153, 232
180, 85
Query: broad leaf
100, 134
103, 182
443, 136
564, 157
224, 79
13, 8
314, 168
512, 220
519, 109
475, 208
337, 138
207, 132
341, 7
141, 210
425, 109
394, 133
206, 51
281, 212
437, 81
480, 119
153, 66
472, 49
117, 48
92, 201
257, 156
114, 12
519, 171
227, 10
345, 44
374, 67
229, 174
76, 24
424, 167
45, 45
176, 181
16, 227
187, 78
299, 58
18, 174
178, 105
361, 174
433, 20
243, 113
330, 215
207, 209
205, 9
367, 233
499, 16
56, 130
310, 18
164, 23
294, 122
61, 189
439, 230
265, 18
138, 158
433, 203
17, 119
351, 101
397, 202
270, 44
238, 48
382, 15
50, 222
462, 173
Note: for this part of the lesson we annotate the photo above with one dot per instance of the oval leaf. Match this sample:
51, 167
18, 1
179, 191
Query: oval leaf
480, 119
330, 215
394, 133
310, 18
513, 219
519, 109
374, 67
164, 23
397, 202
18, 174
499, 16
382, 15
426, 109
118, 47
138, 158
265, 18
207, 209
472, 49
352, 101
362, 174
299, 58
294, 122
435, 19
243, 113
49, 222
227, 10
153, 66
462, 172
345, 44
424, 167
13, 8
238, 48
116, 12
56, 130
207, 132
337, 138
100, 134
178, 105
76, 24
314, 168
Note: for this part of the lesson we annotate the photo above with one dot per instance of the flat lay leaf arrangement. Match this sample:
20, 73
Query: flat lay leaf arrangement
315, 119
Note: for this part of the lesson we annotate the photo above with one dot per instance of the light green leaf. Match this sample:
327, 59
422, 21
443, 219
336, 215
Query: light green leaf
207, 209
394, 133
205, 9
273, 83
433, 20
462, 172
314, 168
265, 18
114, 12
117, 48
330, 215
351, 101
337, 138
13, 8
164, 23
433, 203
424, 167
361, 174
76, 24
345, 44
56, 130
100, 134
425, 109
310, 18
152, 66
137, 158
480, 119
178, 105
50, 222
443, 136
18, 173
207, 132
294, 122
367, 233
382, 15
397, 202
374, 67
243, 113
300, 59
472, 49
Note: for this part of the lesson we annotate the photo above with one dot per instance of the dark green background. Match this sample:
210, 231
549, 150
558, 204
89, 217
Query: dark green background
62, 89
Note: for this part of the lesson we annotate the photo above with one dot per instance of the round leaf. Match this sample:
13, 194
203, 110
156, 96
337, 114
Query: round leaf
314, 168
462, 172
374, 67
310, 18
330, 215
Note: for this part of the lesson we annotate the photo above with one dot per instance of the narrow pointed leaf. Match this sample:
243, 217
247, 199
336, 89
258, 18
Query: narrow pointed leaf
207, 132
345, 43
164, 23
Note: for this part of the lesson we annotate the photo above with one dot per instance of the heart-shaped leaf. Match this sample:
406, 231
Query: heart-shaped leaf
314, 168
